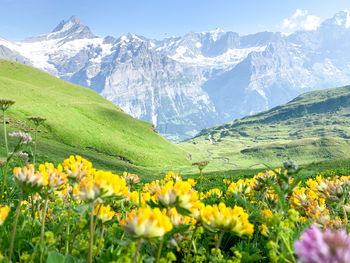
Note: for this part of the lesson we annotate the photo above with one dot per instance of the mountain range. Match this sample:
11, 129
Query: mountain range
184, 84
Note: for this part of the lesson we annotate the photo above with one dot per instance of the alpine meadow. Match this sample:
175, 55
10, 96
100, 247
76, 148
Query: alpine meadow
186, 146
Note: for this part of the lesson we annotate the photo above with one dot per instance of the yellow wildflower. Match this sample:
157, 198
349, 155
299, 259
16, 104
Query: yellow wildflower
178, 219
171, 176
130, 179
267, 213
263, 229
136, 196
111, 184
54, 178
77, 167
152, 187
88, 189
213, 192
104, 213
4, 212
28, 179
220, 217
146, 223
226, 181
239, 187
179, 194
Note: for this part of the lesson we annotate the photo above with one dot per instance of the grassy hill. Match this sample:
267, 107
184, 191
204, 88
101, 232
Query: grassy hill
313, 127
82, 122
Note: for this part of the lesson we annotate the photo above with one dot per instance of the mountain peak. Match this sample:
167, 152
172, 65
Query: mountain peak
341, 18
73, 28
68, 30
64, 25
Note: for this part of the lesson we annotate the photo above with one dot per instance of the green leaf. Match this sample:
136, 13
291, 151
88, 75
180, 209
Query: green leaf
69, 259
55, 257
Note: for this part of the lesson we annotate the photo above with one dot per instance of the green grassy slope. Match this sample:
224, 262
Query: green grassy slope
80, 120
313, 127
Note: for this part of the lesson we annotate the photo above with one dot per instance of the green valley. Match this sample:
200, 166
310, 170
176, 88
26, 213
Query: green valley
313, 127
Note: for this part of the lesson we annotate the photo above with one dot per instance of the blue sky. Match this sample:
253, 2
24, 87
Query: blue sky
162, 18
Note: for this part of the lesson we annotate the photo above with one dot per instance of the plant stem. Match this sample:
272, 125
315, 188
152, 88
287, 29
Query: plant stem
33, 209
91, 243
159, 250
35, 141
42, 232
218, 243
13, 233
139, 243
4, 173
5, 134
67, 236
75, 234
190, 244
290, 250
98, 212
101, 237
200, 184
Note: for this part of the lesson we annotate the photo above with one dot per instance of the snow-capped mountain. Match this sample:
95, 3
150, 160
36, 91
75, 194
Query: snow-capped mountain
184, 84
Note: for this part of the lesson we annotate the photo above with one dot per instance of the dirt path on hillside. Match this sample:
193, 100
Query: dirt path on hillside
225, 159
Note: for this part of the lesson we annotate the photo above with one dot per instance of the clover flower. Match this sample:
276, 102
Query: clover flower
178, 194
260, 180
152, 187
178, 219
171, 176
111, 184
196, 210
104, 213
24, 137
103, 185
6, 103
28, 179
220, 217
130, 179
4, 212
331, 191
135, 197
316, 246
77, 167
146, 223
239, 187
55, 178
215, 192
88, 189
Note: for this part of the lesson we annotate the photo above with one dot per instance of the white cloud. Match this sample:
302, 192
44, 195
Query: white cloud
298, 13
288, 23
311, 23
301, 20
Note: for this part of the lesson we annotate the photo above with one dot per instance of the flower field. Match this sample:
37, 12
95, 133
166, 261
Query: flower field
73, 212
76, 213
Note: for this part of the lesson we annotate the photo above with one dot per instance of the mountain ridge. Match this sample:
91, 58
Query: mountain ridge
187, 83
